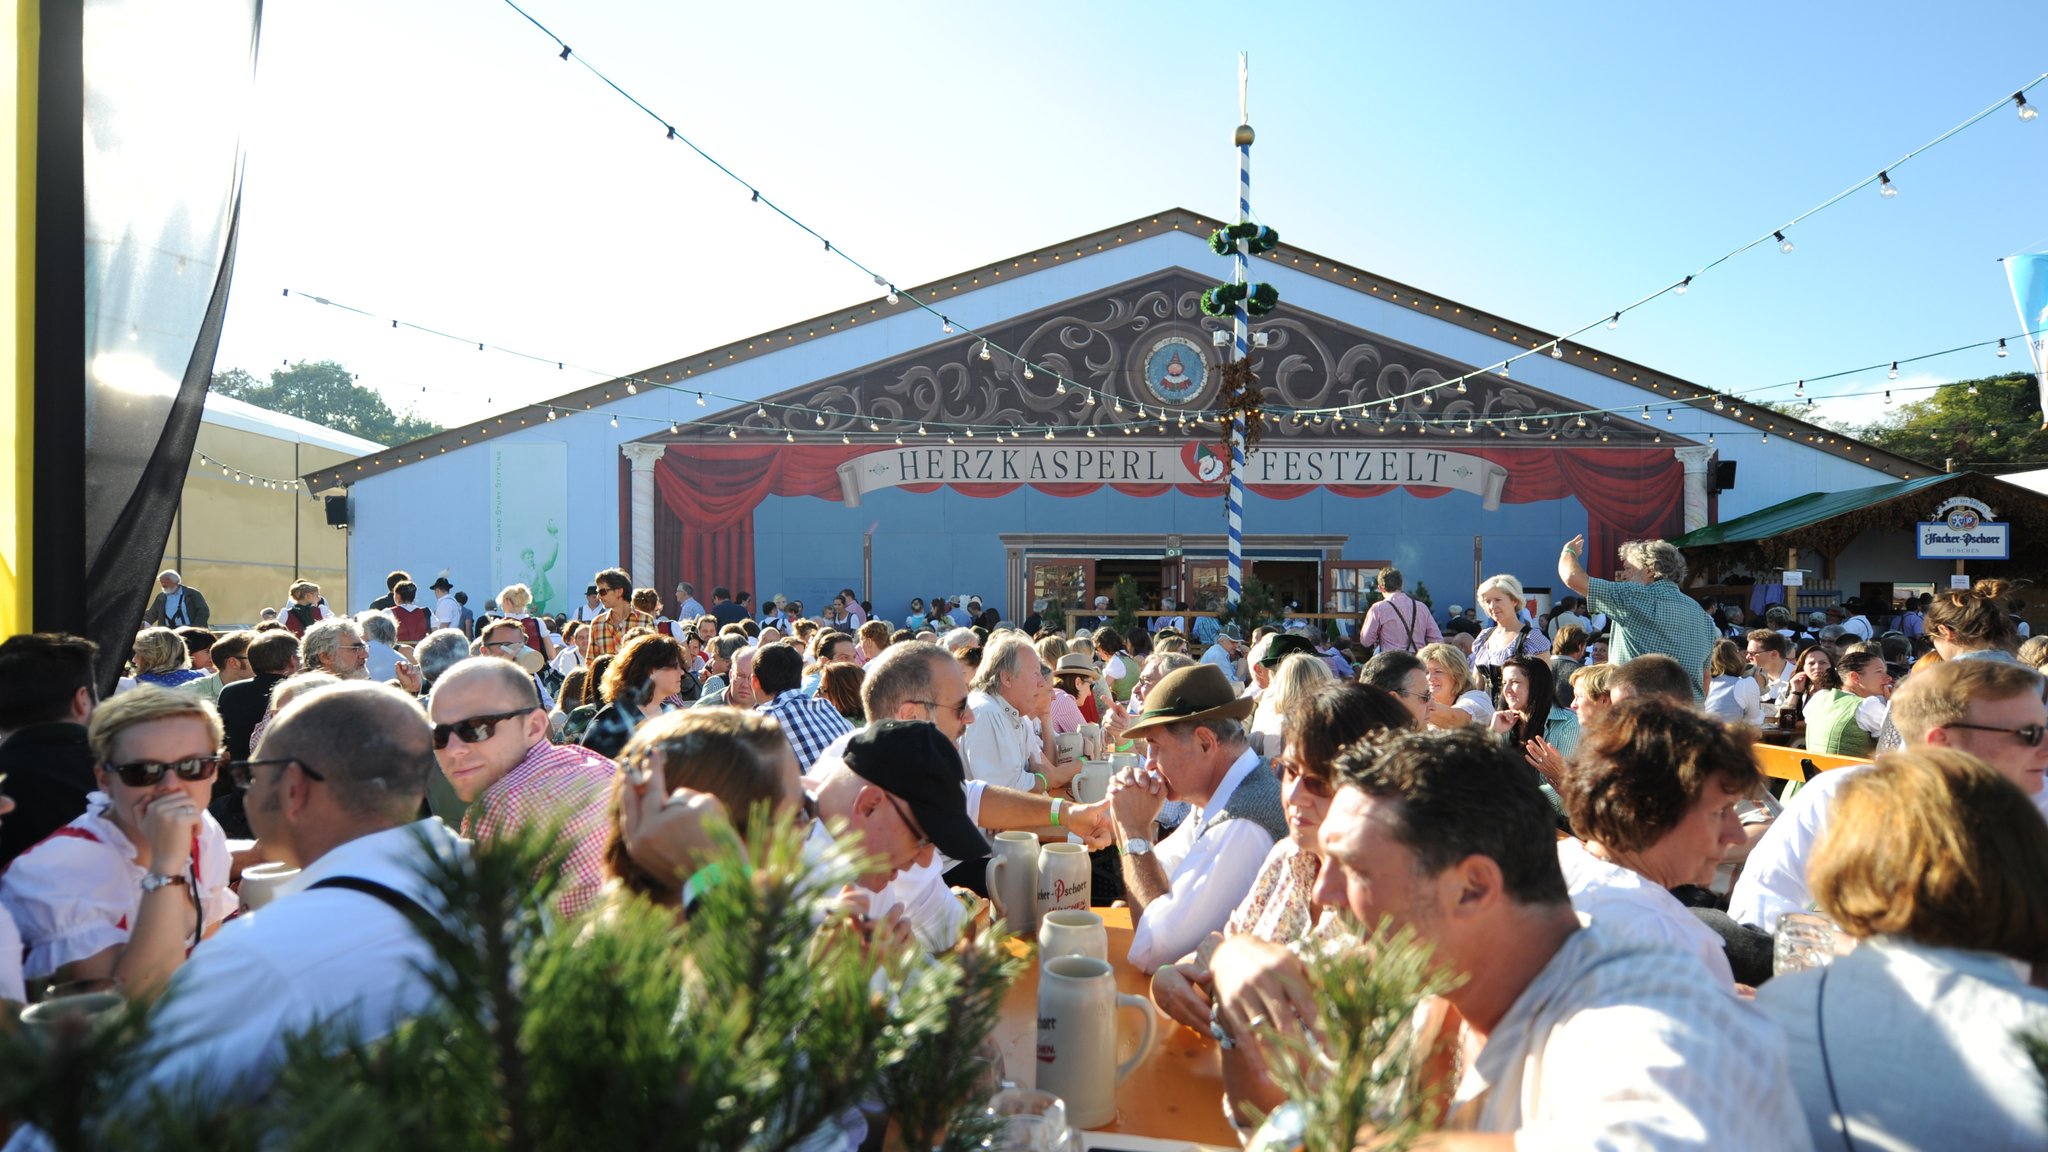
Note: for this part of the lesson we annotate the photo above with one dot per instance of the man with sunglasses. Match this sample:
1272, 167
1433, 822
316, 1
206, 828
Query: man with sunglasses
491, 739
333, 791
117, 897
1991, 709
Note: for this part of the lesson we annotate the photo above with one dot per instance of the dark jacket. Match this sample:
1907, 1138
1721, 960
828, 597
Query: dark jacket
195, 612
727, 612
242, 705
49, 771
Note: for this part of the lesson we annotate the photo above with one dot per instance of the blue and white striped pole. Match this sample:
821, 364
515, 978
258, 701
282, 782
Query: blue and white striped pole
1242, 324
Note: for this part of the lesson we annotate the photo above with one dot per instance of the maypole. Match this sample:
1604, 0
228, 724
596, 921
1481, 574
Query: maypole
1241, 324
1239, 397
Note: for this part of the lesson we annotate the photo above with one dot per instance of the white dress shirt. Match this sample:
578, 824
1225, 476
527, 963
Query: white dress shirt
1002, 745
1618, 1044
447, 613
1209, 875
1920, 1047
1735, 698
12, 987
1773, 880
1632, 907
307, 957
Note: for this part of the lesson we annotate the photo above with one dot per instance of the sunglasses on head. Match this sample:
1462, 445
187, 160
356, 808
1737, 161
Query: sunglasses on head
148, 773
476, 729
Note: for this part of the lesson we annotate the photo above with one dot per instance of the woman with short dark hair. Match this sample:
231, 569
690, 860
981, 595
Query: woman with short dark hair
647, 671
1653, 790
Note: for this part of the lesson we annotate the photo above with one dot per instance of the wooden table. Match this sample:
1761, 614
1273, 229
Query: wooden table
1175, 1093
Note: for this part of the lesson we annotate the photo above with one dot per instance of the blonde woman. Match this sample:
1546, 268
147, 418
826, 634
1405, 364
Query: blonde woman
1506, 635
1453, 692
161, 659
1293, 680
512, 605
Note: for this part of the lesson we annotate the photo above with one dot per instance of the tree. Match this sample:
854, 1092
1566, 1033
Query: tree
327, 394
1995, 420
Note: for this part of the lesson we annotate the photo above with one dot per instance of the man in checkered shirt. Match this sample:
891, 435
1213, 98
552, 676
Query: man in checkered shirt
491, 738
608, 632
809, 722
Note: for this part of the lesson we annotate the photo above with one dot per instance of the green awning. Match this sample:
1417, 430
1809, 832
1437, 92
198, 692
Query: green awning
1801, 511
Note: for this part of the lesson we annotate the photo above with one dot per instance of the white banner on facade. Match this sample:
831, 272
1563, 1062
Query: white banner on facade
529, 510
1193, 463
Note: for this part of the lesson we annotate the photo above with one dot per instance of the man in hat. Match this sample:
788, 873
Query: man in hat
898, 790
1224, 652
1854, 621
1460, 623
593, 605
447, 611
1197, 751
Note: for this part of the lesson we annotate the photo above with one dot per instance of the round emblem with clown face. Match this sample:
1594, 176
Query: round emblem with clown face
1176, 369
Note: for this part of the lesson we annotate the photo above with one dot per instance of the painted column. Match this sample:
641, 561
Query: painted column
1698, 462
643, 457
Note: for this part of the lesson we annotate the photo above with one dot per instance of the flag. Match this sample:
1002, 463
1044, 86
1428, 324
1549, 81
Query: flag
2028, 276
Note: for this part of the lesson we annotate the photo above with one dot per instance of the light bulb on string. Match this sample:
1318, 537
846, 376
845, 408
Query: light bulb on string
1614, 322
1784, 245
2001, 348
1799, 389
1887, 397
950, 440
1885, 187
1048, 433
1894, 373
1683, 285
845, 439
1973, 387
615, 421
761, 411
1091, 433
983, 354
1710, 437
1461, 379
1061, 389
674, 428
1029, 374
2027, 112
1582, 420
920, 430
551, 415
700, 399
1557, 350
874, 425
789, 436
1503, 375
632, 389
899, 441
732, 433
1646, 411
820, 419
946, 325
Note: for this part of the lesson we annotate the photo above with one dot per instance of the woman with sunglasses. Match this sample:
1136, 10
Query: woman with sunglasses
1250, 974
118, 897
648, 671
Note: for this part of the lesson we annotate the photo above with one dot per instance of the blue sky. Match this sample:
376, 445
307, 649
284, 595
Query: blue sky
437, 163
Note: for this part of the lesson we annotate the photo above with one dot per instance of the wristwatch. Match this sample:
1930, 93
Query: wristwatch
156, 880
1137, 847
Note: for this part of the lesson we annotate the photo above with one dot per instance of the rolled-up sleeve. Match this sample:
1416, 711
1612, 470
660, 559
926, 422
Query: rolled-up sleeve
1207, 888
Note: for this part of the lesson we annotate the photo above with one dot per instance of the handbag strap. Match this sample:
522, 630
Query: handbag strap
1820, 1029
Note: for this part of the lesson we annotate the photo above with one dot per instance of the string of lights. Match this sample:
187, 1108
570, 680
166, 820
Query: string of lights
1555, 346
1387, 415
227, 471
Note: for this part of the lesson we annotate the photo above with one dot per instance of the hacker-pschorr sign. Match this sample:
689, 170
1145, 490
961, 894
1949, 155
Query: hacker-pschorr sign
1963, 530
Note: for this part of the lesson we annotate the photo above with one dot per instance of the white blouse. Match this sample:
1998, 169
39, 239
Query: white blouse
77, 894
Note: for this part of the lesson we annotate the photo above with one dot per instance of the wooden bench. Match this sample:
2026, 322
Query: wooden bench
1798, 763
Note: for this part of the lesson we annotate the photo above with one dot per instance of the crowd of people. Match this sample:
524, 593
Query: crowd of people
1564, 805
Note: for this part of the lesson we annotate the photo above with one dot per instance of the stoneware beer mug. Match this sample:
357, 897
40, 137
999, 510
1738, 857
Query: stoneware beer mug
1069, 745
1091, 741
261, 883
1077, 1015
1091, 783
1013, 881
1063, 878
1072, 932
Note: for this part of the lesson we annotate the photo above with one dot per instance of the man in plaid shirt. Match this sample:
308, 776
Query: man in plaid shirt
809, 722
608, 631
491, 738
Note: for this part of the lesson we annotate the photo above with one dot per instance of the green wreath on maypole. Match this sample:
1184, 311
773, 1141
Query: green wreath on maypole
1238, 396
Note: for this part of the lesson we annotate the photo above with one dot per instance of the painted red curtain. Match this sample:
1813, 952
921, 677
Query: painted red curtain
713, 490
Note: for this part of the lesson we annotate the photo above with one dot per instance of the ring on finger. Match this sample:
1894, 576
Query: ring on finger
1256, 1020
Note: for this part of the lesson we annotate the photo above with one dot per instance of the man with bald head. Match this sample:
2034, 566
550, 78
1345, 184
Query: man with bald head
491, 738
333, 790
